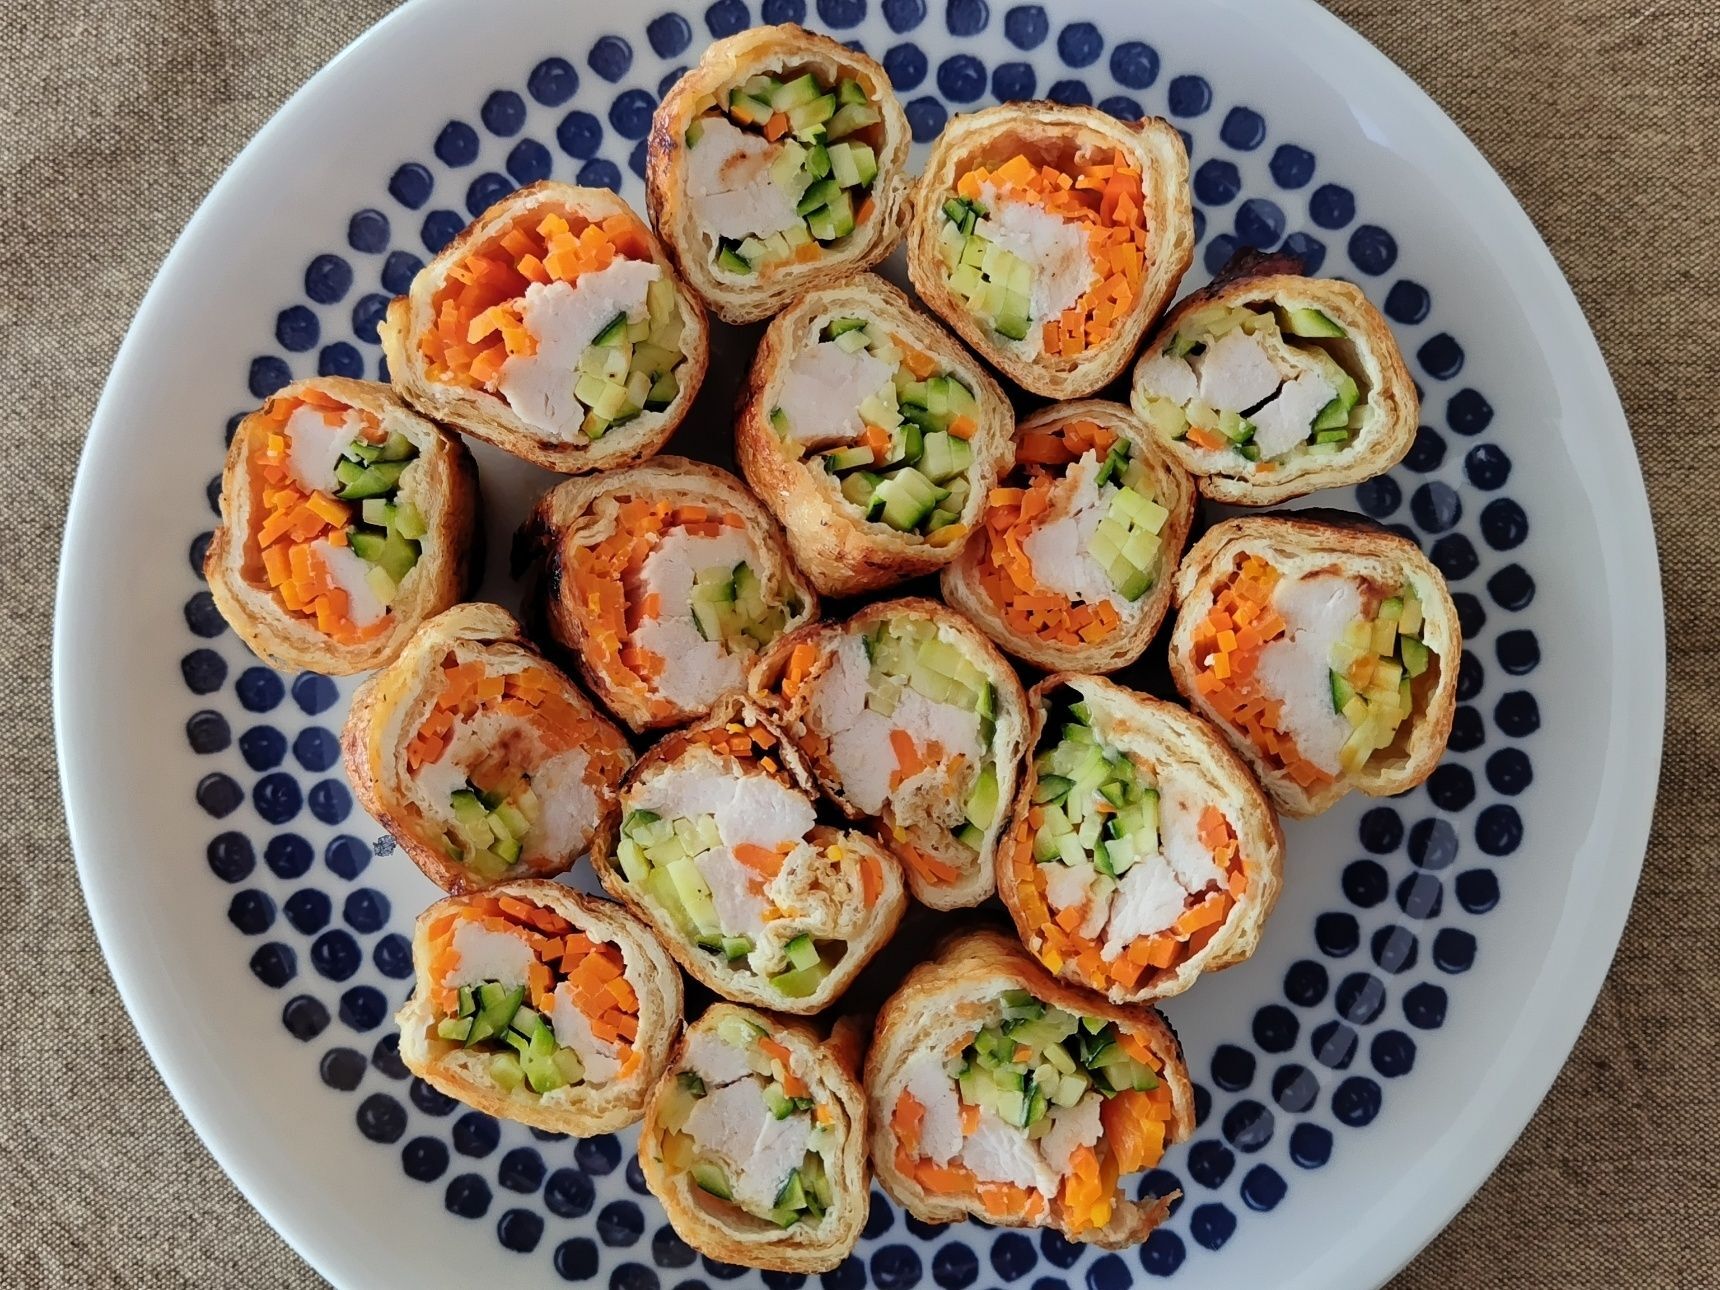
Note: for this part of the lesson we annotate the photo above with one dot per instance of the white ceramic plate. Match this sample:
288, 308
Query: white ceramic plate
1434, 956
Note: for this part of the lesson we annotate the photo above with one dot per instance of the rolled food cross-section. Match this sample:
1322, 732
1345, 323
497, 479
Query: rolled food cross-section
1071, 566
755, 1141
775, 166
872, 434
1325, 648
664, 581
554, 327
346, 521
537, 1004
1050, 237
999, 1093
481, 759
716, 843
1269, 385
1141, 852
909, 716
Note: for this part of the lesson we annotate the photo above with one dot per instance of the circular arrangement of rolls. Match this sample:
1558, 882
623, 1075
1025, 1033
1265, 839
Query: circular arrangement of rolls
757, 782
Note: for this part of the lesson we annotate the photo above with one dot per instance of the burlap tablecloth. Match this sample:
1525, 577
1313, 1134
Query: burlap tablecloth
117, 115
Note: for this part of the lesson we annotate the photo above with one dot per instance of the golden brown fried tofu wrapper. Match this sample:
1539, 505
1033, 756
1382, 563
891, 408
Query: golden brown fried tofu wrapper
537, 1004
1050, 237
480, 758
664, 580
1071, 564
553, 327
346, 521
908, 717
1268, 385
775, 167
1140, 851
716, 843
755, 1141
871, 434
1325, 648
999, 1093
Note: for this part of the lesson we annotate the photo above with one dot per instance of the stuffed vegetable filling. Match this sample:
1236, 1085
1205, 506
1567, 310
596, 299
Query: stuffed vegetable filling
904, 722
336, 523
887, 423
506, 770
1251, 387
1071, 540
779, 168
524, 997
674, 602
1320, 672
725, 847
1036, 1115
747, 1127
1049, 253
1122, 869
572, 324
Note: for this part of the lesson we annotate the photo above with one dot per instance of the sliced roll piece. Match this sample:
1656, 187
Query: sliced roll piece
1325, 648
664, 580
872, 434
716, 843
1269, 385
555, 328
1072, 563
1050, 237
346, 521
755, 1141
1140, 851
776, 166
998, 1092
907, 716
537, 1004
481, 759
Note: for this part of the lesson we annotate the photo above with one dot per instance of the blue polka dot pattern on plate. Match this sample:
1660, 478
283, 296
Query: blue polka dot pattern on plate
1358, 995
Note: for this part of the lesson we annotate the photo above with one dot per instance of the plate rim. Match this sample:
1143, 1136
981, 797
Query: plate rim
1483, 1129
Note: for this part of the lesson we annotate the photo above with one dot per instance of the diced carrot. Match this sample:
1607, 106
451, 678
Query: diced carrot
777, 126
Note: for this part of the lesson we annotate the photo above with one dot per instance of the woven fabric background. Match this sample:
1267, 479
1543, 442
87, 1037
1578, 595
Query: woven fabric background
117, 115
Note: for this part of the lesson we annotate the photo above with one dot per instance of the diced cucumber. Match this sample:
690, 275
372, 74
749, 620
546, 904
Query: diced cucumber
861, 486
802, 89
1310, 322
801, 951
733, 263
970, 837
848, 458
614, 331
813, 112
1416, 655
358, 482
800, 982
710, 1178
849, 118
842, 167
982, 802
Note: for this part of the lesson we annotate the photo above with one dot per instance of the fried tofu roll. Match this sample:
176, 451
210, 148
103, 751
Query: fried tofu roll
664, 580
1325, 648
555, 328
346, 521
1050, 237
537, 1004
481, 759
1268, 385
1140, 852
755, 1142
872, 434
1072, 563
997, 1092
776, 166
908, 716
716, 844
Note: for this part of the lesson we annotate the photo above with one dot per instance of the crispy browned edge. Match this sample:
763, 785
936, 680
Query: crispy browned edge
449, 560
1335, 537
646, 968
482, 625
665, 186
1260, 839
839, 551
735, 985
548, 530
828, 1065
1155, 145
486, 416
1174, 491
969, 968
